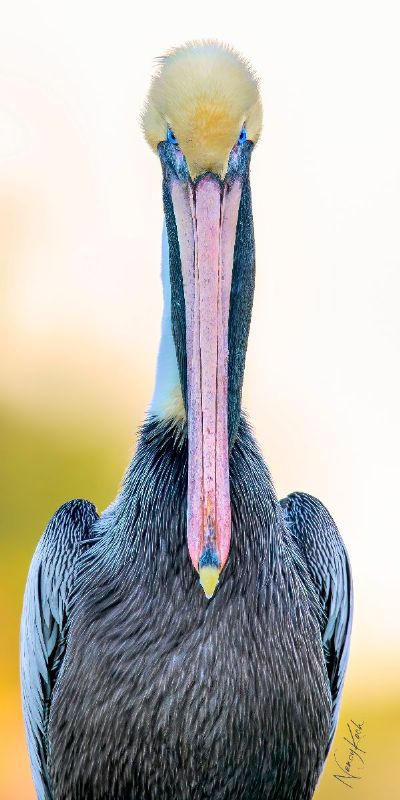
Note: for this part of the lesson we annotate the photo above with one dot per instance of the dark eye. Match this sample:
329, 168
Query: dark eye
242, 136
171, 138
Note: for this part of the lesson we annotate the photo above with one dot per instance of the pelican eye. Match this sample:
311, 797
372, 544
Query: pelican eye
242, 136
171, 138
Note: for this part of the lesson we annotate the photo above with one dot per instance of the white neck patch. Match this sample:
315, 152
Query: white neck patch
167, 401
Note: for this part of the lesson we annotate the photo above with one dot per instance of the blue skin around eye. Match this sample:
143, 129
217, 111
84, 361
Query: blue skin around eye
171, 137
242, 136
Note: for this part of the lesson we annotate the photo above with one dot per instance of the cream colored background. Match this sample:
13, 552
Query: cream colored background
80, 224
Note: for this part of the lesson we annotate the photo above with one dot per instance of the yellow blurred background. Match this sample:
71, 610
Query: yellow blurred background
80, 299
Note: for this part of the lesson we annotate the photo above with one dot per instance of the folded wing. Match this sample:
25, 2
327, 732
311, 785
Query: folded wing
318, 538
44, 624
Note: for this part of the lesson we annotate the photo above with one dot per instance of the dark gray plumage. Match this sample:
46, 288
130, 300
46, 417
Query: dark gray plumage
163, 694
134, 684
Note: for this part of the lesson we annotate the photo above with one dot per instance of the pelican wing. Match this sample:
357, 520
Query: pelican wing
318, 538
44, 624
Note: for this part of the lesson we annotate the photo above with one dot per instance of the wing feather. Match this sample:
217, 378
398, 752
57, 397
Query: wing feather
318, 538
44, 625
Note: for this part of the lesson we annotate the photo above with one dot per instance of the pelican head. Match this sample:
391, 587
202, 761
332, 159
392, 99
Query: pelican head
203, 117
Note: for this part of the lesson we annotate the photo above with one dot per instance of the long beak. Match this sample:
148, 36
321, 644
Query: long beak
206, 216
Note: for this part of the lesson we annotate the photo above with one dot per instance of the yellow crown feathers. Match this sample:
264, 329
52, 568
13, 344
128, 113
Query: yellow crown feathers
205, 92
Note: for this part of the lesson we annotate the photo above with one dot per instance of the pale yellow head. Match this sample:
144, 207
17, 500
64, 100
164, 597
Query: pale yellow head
205, 92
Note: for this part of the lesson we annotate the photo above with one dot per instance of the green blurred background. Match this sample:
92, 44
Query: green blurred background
80, 296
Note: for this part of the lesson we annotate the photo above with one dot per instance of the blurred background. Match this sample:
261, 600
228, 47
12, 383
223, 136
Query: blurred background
80, 299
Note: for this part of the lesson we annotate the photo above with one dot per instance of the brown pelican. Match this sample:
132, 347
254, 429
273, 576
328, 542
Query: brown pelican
191, 642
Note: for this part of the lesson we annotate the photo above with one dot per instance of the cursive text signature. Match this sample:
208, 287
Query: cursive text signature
353, 761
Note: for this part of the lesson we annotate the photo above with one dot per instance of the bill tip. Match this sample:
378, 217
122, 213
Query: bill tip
209, 576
